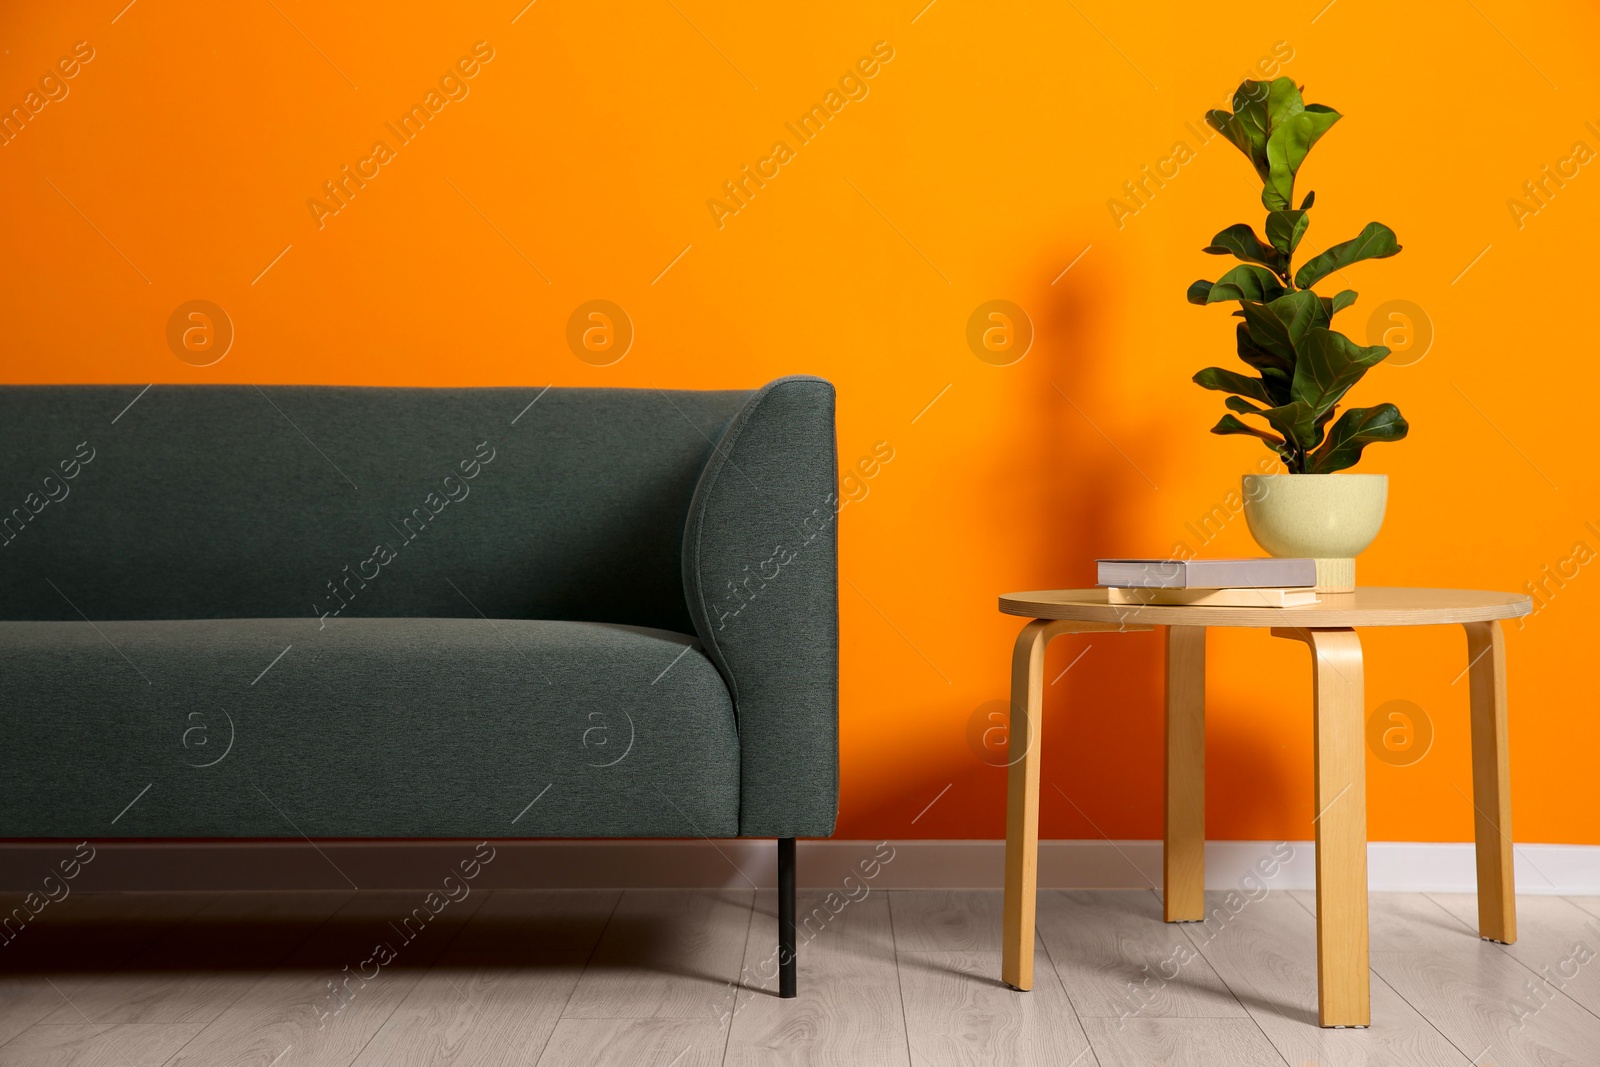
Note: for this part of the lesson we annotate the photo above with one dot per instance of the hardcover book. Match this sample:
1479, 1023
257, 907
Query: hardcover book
1215, 598
1208, 573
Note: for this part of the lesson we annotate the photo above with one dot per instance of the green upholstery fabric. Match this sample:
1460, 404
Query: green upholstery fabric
233, 502
368, 728
377, 531
761, 571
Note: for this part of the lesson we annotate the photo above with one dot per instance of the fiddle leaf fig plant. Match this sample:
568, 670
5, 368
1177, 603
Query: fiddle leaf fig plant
1303, 367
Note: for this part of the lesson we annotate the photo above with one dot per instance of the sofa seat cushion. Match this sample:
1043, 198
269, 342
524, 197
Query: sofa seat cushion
403, 727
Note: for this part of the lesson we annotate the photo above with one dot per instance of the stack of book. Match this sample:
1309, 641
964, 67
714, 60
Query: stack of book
1220, 583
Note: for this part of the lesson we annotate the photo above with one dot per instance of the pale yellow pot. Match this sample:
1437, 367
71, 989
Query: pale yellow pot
1329, 517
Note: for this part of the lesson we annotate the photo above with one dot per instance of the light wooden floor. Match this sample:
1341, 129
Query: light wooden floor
676, 978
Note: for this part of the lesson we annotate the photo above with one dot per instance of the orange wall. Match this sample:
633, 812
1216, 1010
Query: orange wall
978, 166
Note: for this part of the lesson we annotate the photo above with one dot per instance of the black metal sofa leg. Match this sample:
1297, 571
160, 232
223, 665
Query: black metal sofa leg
786, 960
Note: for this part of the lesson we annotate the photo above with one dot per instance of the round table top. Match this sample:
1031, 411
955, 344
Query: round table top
1367, 606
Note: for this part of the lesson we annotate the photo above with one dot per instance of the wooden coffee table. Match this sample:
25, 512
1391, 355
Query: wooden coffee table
1340, 763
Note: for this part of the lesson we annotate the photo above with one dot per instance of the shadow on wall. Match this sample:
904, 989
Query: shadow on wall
1103, 720
1061, 494
1256, 780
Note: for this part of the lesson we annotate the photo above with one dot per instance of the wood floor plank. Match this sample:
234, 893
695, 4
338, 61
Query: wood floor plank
947, 920
1588, 904
1557, 941
559, 977
1116, 957
958, 1012
1267, 955
23, 1002
25, 998
665, 954
1180, 1043
1472, 992
75, 940
496, 994
848, 1009
199, 967
513, 925
83, 1045
629, 1042
297, 1017
475, 1017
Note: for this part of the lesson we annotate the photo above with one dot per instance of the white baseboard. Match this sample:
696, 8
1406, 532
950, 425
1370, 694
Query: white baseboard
1393, 866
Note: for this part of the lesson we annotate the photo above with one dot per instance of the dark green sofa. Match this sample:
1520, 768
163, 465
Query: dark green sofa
315, 612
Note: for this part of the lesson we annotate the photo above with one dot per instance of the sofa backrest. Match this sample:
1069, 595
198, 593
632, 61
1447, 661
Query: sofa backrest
237, 501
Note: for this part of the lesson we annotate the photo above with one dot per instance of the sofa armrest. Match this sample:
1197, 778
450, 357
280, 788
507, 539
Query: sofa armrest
761, 579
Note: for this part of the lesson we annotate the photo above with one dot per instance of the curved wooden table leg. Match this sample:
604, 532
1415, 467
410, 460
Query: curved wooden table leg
1491, 783
1022, 800
1343, 979
1183, 856
1022, 791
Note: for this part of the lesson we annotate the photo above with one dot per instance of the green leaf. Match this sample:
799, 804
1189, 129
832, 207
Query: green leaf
1241, 241
1297, 422
1276, 371
1286, 150
1247, 127
1244, 282
1376, 241
1285, 228
1356, 429
1276, 329
1247, 282
1227, 381
1259, 357
1339, 301
1299, 312
1250, 109
1234, 129
1283, 102
1267, 332
1252, 94
1322, 368
1230, 425
1329, 364
1305, 368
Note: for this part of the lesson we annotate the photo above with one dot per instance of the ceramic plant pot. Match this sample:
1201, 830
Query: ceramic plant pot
1329, 517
